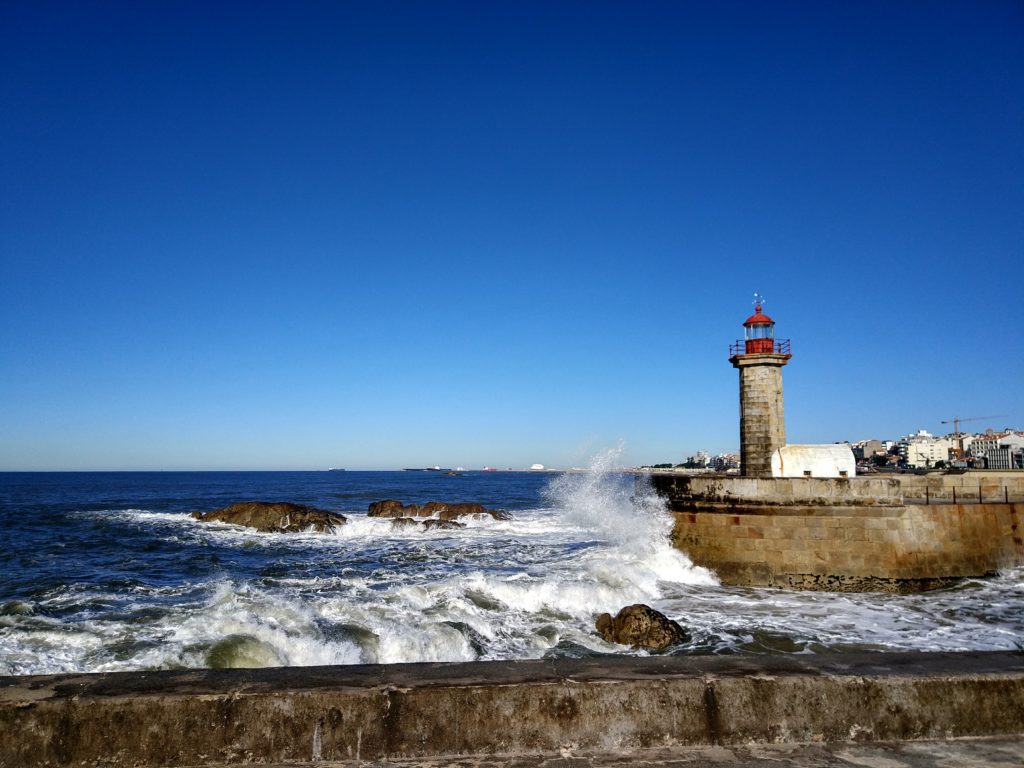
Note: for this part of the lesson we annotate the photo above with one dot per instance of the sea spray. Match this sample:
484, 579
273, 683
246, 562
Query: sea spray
631, 520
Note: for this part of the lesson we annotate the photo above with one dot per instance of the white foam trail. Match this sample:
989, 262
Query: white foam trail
286, 629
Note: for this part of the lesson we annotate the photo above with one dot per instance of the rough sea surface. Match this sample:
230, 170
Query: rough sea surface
108, 571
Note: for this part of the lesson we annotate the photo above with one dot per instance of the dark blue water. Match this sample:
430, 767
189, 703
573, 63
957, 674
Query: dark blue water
108, 571
61, 532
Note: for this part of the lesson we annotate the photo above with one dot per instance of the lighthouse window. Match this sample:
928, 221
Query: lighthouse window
759, 332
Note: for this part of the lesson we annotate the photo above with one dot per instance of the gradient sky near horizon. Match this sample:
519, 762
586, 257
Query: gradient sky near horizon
373, 235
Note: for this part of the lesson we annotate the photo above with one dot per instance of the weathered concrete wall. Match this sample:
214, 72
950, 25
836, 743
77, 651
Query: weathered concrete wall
852, 548
762, 417
207, 717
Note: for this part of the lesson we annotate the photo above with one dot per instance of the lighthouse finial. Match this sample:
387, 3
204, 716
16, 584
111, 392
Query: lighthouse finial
758, 299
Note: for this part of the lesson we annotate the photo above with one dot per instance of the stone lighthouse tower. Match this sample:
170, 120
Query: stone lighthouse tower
759, 358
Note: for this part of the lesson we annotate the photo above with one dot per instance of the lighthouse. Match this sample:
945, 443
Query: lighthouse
759, 357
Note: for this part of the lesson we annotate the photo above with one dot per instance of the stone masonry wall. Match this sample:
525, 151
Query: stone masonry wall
853, 548
684, 491
762, 422
968, 488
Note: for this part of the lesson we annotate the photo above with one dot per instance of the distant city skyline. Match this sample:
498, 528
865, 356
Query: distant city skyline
244, 236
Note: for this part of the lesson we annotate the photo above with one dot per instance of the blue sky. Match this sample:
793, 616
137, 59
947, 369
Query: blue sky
277, 236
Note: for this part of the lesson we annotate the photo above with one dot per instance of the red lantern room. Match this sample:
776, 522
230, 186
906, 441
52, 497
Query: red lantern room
759, 336
759, 333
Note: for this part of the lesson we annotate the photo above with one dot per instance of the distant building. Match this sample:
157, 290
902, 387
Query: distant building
923, 449
983, 445
999, 458
864, 450
1013, 440
1009, 453
723, 462
702, 460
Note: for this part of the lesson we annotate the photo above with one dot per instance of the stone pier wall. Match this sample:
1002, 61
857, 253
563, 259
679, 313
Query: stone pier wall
872, 490
683, 491
968, 488
893, 534
896, 549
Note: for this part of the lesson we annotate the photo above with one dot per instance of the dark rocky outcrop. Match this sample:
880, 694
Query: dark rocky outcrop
641, 627
430, 524
433, 509
275, 517
389, 508
442, 525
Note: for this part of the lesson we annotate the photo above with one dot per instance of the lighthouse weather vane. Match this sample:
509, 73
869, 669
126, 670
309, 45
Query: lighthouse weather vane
758, 299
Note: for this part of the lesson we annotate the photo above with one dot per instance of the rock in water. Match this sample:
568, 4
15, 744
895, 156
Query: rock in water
391, 508
275, 517
243, 652
433, 509
641, 627
444, 511
443, 525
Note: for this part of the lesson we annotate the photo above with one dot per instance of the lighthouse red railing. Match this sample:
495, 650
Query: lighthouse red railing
760, 347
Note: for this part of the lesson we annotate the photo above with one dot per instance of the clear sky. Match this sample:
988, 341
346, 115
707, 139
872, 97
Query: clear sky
374, 235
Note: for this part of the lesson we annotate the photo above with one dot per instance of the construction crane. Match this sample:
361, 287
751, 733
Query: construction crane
955, 421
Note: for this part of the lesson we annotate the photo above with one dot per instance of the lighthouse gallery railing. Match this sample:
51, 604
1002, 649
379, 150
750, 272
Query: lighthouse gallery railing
779, 347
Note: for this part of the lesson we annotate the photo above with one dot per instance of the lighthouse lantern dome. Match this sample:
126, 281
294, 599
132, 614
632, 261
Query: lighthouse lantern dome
759, 332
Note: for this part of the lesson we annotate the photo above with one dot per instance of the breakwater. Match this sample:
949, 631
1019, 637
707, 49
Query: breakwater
379, 712
876, 534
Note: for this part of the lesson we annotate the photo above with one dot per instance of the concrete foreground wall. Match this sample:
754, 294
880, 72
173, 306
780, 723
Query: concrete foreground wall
206, 717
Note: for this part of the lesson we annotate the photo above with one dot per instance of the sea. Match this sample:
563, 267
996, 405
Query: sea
109, 571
